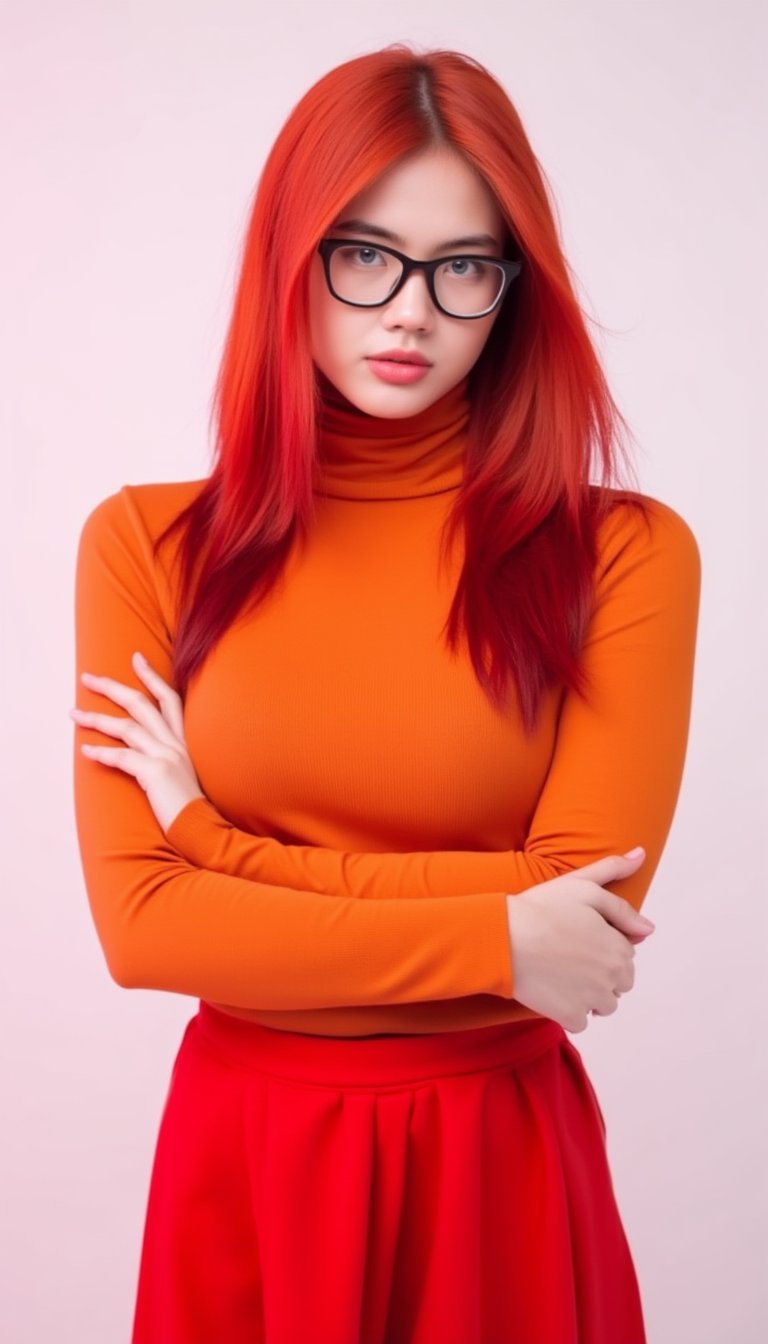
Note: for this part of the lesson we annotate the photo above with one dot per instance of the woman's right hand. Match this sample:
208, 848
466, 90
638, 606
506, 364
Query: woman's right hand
572, 942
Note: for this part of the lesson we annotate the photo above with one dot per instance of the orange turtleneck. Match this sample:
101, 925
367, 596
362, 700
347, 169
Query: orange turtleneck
366, 810
367, 458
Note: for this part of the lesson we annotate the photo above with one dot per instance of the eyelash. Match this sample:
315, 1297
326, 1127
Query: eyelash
369, 247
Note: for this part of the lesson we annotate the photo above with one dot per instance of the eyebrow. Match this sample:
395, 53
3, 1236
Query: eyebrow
376, 231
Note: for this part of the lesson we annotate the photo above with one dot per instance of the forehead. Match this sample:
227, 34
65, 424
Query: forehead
429, 196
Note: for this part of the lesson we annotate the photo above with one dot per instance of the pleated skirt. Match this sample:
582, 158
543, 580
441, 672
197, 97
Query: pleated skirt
451, 1188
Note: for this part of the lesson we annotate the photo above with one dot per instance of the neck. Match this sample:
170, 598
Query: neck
365, 456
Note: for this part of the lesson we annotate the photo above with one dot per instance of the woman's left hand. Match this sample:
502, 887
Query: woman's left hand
156, 750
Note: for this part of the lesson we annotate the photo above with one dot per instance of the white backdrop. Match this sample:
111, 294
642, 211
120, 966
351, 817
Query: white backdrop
133, 136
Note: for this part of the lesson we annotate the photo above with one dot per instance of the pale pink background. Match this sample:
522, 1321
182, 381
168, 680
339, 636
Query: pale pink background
133, 137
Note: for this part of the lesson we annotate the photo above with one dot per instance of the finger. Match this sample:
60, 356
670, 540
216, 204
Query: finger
596, 1011
111, 725
121, 758
612, 868
167, 696
132, 700
626, 980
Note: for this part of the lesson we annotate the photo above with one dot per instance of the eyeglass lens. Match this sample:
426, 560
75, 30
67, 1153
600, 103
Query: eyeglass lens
367, 275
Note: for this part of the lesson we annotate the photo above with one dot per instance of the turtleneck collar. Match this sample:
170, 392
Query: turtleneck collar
363, 456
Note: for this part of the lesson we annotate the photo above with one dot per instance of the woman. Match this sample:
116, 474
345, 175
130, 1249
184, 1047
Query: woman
370, 718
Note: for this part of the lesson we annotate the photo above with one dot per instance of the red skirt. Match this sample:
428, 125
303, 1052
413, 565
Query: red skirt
451, 1188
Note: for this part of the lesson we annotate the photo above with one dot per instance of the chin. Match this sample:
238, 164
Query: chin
361, 389
391, 402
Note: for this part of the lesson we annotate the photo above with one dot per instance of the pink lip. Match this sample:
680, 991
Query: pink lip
397, 371
401, 356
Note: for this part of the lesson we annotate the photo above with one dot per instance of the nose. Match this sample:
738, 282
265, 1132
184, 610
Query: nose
412, 306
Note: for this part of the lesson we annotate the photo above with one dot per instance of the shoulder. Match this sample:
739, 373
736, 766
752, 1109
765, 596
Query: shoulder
640, 534
137, 513
116, 557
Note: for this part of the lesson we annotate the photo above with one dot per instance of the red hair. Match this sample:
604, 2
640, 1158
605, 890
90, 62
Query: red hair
540, 402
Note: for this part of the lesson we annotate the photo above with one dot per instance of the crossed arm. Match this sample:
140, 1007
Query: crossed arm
203, 907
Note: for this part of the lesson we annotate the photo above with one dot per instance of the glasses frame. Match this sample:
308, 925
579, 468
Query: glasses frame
510, 267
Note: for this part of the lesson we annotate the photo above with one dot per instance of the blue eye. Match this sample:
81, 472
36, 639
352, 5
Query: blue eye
464, 261
361, 255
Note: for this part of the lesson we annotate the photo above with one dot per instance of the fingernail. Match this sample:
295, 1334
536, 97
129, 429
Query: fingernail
634, 853
648, 922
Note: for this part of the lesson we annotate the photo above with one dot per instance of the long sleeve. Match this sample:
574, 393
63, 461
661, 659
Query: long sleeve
617, 767
167, 923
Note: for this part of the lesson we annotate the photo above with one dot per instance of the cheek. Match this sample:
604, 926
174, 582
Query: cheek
330, 333
467, 346
339, 333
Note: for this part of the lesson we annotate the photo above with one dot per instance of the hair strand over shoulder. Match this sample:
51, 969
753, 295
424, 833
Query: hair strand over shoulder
542, 414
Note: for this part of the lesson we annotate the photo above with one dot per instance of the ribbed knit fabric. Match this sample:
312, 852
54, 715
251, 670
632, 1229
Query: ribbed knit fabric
367, 812
365, 457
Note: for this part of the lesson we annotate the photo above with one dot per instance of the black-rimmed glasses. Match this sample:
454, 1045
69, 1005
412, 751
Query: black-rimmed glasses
368, 275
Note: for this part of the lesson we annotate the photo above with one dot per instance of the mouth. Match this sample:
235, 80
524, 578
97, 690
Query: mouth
393, 368
411, 357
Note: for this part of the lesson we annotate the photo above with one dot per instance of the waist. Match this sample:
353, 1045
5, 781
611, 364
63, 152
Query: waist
377, 1059
364, 1020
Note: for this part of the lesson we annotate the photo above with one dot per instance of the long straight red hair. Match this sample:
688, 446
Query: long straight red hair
541, 409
